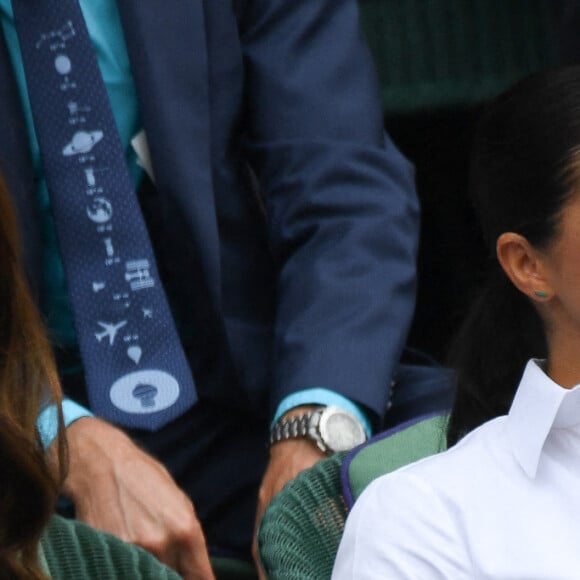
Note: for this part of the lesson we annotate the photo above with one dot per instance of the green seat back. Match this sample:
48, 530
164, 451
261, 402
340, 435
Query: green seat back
391, 450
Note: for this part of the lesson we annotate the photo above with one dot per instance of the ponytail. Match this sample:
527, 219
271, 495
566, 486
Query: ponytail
525, 167
489, 353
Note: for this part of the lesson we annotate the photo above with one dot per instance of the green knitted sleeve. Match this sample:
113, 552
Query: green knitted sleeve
74, 550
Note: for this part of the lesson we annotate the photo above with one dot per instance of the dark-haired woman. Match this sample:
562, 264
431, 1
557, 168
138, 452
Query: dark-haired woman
503, 502
29, 481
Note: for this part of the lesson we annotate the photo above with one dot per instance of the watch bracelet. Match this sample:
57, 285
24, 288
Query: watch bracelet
291, 427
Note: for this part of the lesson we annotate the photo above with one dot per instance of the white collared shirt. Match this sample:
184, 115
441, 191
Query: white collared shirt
503, 503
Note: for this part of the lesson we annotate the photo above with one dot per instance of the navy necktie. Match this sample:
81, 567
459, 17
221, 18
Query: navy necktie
136, 371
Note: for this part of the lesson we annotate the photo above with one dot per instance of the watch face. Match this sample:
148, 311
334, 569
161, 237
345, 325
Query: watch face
340, 431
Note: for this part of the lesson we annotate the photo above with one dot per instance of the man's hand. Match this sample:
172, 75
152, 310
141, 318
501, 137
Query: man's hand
118, 488
287, 460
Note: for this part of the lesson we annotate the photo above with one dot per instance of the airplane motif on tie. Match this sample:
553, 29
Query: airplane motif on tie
110, 329
126, 333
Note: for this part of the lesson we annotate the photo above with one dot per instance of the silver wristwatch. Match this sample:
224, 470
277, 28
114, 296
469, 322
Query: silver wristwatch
331, 428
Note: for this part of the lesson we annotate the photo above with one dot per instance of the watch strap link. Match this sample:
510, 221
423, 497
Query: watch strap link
292, 427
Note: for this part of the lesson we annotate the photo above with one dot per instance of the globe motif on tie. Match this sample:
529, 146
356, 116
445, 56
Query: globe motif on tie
100, 211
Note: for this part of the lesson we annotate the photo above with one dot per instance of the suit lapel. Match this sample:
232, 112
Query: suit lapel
166, 41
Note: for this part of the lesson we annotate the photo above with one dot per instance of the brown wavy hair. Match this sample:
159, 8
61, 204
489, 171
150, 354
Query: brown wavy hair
29, 481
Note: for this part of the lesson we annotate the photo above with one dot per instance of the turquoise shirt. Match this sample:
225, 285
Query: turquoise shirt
106, 32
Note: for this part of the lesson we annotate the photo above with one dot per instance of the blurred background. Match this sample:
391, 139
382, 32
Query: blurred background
439, 62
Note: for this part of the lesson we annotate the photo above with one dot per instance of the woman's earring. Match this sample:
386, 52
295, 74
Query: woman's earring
541, 293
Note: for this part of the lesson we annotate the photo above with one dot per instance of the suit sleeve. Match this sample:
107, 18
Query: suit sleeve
340, 200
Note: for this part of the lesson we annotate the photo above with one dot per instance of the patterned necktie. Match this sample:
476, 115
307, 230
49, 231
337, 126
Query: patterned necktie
136, 371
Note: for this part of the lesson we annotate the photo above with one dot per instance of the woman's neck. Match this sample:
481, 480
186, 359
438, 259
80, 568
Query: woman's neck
563, 365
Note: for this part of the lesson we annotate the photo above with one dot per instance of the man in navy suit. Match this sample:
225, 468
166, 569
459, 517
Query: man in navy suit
285, 226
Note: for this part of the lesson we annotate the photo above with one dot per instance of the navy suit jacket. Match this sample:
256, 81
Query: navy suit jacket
284, 221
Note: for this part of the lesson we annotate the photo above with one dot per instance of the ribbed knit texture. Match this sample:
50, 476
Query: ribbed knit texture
443, 53
301, 529
75, 551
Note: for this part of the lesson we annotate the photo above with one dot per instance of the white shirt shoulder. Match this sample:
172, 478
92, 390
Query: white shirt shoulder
410, 524
502, 503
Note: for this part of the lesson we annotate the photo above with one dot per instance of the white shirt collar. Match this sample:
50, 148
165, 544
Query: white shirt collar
539, 405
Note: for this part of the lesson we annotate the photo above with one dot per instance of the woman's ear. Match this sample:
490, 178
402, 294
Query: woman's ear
524, 266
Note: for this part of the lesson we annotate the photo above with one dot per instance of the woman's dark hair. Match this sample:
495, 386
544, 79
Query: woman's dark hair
29, 482
525, 166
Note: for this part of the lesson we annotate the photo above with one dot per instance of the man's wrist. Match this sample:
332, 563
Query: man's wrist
315, 397
47, 421
330, 428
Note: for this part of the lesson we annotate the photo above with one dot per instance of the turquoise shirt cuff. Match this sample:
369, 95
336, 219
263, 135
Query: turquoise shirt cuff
47, 422
322, 396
